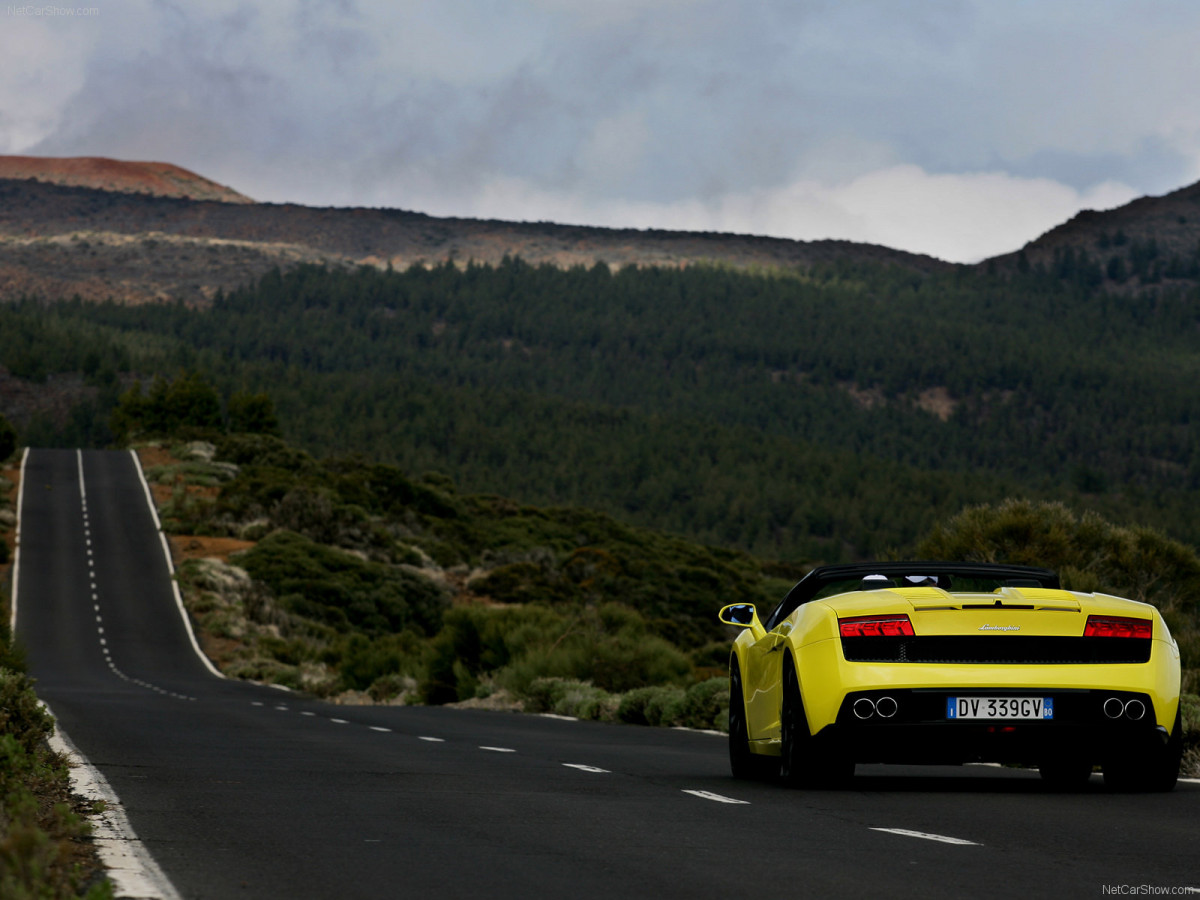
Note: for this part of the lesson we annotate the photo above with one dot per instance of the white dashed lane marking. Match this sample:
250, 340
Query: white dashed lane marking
717, 798
926, 836
91, 565
499, 749
582, 768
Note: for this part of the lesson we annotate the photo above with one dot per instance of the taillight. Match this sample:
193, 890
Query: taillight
1117, 626
876, 626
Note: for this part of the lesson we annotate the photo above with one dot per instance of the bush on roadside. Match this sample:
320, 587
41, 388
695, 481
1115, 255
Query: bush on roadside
21, 715
40, 837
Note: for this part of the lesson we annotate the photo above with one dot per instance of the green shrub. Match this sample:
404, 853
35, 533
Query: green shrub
544, 694
38, 831
8, 439
341, 590
666, 706
266, 671
389, 687
12, 654
365, 661
571, 697
21, 715
655, 705
632, 708
264, 451
1190, 704
706, 705
614, 663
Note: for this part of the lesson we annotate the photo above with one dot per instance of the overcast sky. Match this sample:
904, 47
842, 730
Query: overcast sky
958, 128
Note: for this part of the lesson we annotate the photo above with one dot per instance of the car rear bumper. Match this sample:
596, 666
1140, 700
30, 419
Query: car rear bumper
1087, 725
827, 678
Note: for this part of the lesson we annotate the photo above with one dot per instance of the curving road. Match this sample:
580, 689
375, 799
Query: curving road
243, 791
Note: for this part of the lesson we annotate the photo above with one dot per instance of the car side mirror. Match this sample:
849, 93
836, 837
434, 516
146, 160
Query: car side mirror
737, 614
742, 615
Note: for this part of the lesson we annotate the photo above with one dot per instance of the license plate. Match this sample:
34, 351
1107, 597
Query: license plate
999, 707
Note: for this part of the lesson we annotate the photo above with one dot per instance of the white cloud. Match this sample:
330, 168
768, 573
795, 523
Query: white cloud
43, 67
966, 217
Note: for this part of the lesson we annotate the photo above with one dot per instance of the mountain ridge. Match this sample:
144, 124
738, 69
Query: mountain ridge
152, 232
97, 241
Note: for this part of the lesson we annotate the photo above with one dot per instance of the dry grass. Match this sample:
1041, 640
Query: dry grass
186, 546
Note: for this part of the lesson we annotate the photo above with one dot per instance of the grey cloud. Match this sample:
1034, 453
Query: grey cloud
641, 101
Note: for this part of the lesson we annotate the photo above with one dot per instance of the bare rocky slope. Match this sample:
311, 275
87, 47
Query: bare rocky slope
156, 178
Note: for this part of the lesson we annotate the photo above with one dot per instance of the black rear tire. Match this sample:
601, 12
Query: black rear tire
806, 761
1156, 768
742, 762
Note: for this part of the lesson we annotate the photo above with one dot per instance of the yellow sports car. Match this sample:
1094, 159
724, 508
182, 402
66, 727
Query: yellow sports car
932, 662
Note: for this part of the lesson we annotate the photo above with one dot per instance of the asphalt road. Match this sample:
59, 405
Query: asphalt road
243, 791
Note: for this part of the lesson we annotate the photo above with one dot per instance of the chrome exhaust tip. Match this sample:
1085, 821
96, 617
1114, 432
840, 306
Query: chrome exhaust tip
1113, 708
863, 708
886, 707
1135, 710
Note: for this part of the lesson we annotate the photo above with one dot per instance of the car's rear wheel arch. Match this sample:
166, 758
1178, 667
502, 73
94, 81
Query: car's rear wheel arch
807, 760
742, 763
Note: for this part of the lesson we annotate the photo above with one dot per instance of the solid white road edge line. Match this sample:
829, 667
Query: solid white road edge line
129, 865
929, 837
187, 622
719, 798
16, 569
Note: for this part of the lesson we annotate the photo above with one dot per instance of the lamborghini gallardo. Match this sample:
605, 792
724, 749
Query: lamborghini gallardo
950, 663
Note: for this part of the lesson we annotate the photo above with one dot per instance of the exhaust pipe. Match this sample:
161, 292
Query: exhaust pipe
886, 707
1135, 709
1113, 708
864, 708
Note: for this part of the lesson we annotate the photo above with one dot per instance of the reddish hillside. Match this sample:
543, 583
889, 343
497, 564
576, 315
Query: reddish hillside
159, 179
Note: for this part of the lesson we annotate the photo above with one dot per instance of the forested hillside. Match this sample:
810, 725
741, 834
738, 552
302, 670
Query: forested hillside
826, 414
